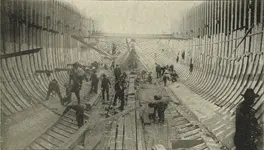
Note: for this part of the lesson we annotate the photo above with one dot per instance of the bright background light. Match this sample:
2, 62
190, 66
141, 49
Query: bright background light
134, 16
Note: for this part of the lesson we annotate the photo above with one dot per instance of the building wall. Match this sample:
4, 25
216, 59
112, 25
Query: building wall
31, 24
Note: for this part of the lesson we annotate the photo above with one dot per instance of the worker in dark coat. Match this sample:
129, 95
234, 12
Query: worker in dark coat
191, 67
143, 75
171, 68
159, 107
79, 109
119, 93
75, 82
247, 128
174, 76
150, 77
94, 85
163, 69
158, 70
105, 87
155, 105
161, 111
117, 72
54, 86
166, 78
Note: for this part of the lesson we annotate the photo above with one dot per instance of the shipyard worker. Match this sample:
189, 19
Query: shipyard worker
143, 75
163, 68
158, 70
75, 82
171, 68
54, 86
95, 64
161, 110
155, 106
159, 107
247, 128
165, 77
79, 112
105, 87
117, 72
174, 76
112, 65
95, 80
124, 75
191, 67
150, 77
119, 93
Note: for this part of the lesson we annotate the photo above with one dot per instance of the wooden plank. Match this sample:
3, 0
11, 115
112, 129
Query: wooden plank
51, 139
69, 124
93, 141
57, 135
65, 128
128, 133
36, 146
119, 139
44, 143
61, 132
112, 140
71, 141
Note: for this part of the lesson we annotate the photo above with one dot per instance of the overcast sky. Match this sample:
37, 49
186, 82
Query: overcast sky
134, 16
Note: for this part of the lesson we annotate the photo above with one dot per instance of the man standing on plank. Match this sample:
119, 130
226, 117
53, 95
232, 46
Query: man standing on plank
105, 87
54, 86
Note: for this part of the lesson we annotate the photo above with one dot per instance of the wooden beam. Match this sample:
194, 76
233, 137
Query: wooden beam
61, 69
85, 43
43, 71
26, 52
243, 38
71, 142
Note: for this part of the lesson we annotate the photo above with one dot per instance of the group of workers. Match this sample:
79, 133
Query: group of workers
247, 127
166, 73
77, 74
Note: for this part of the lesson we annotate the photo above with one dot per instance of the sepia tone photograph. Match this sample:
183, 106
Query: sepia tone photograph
132, 75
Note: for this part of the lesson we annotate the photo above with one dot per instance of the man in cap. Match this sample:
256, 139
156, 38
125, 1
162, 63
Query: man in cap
105, 87
247, 127
119, 93
166, 77
174, 76
75, 82
150, 77
79, 109
95, 81
117, 72
155, 106
54, 86
191, 67
143, 75
171, 68
158, 70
